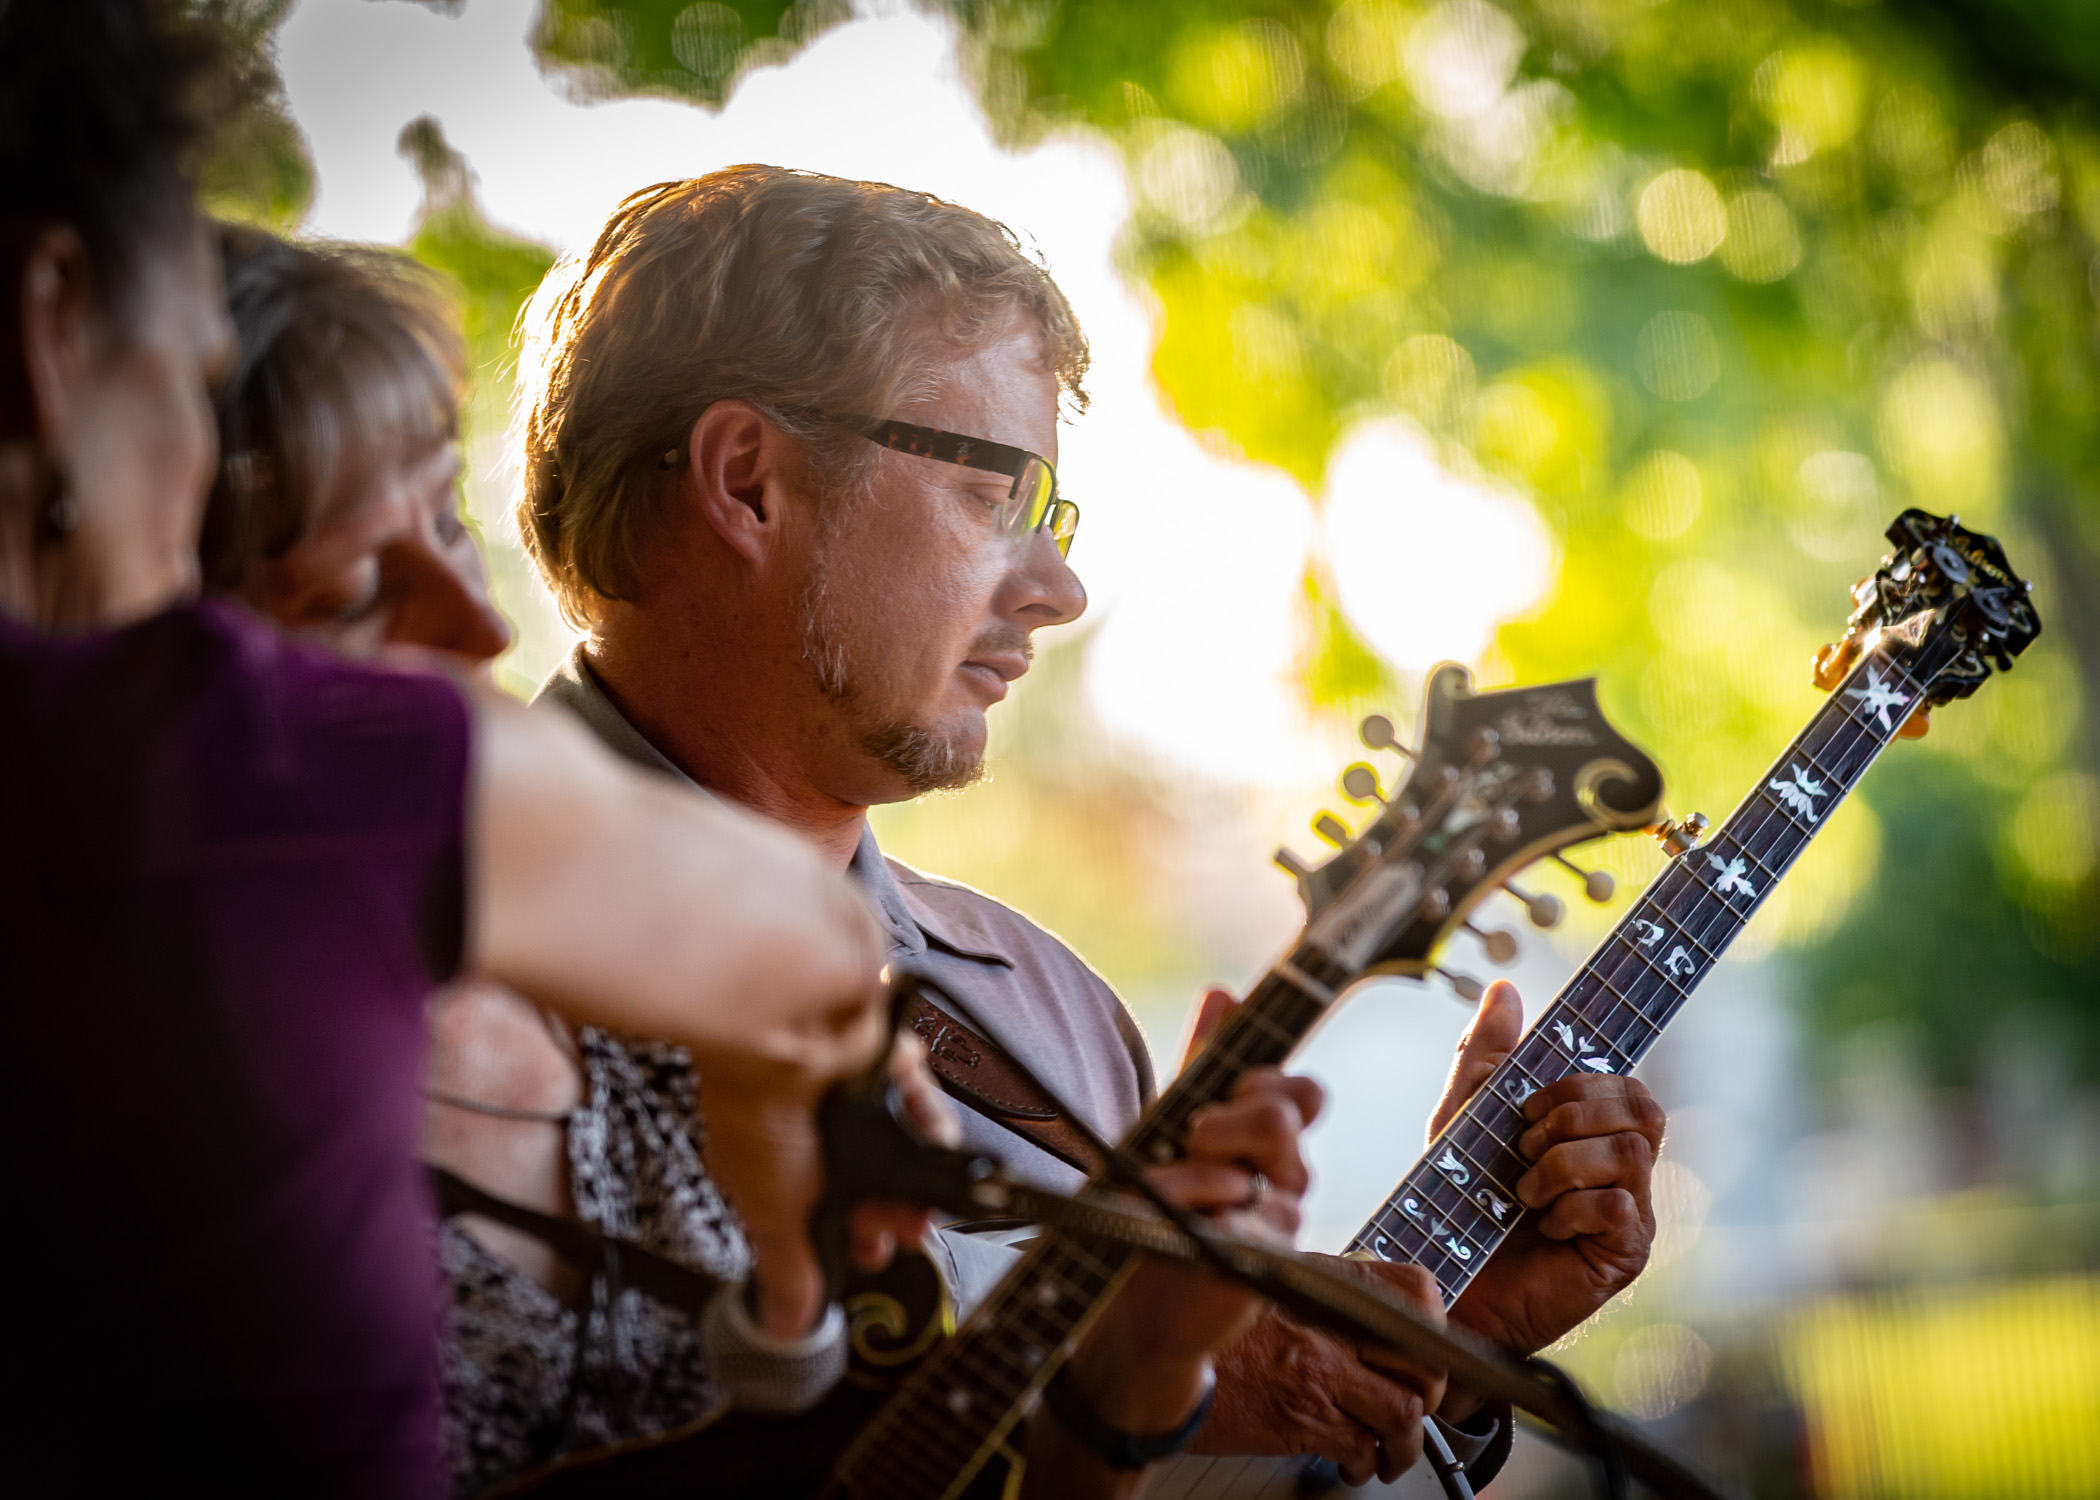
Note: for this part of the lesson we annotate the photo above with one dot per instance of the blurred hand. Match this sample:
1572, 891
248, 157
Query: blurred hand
762, 1148
1592, 1146
875, 1230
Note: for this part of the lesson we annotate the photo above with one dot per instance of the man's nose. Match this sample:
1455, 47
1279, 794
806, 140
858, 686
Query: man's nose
442, 608
1044, 589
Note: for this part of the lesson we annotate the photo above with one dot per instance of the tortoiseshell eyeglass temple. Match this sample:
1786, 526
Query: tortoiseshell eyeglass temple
1032, 503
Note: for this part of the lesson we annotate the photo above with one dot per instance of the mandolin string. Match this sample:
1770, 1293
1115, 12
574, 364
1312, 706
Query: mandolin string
1848, 733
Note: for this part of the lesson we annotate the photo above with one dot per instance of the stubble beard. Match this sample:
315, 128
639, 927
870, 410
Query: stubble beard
923, 758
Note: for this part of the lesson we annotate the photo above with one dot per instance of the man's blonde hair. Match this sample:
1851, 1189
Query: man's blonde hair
796, 292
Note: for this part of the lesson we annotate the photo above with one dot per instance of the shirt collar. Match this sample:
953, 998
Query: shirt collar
911, 920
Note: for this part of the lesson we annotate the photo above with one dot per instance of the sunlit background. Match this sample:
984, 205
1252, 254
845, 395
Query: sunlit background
1555, 337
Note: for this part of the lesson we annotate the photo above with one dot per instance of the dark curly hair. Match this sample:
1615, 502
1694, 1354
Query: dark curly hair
105, 106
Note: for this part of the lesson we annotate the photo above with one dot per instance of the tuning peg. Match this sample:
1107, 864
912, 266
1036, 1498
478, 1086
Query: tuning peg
1291, 864
1435, 904
1376, 731
1596, 884
1469, 864
1505, 825
1680, 836
1501, 946
1483, 745
1360, 784
1544, 910
1466, 985
1331, 828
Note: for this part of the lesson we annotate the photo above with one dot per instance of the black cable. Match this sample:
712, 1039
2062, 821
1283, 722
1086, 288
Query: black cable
1611, 1463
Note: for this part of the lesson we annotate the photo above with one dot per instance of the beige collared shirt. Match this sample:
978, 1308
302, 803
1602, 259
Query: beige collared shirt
1016, 983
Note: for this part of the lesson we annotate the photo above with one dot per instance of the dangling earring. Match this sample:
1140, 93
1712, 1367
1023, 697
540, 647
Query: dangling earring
61, 513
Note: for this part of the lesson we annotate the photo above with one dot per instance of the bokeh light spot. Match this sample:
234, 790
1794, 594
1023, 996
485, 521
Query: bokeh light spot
1387, 499
2056, 831
1430, 377
1461, 57
1939, 430
1677, 356
1664, 496
1659, 1368
1681, 217
2019, 169
1184, 176
1762, 242
1239, 77
1366, 40
1815, 94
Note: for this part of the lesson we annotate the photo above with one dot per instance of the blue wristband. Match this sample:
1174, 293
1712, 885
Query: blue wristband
1113, 1446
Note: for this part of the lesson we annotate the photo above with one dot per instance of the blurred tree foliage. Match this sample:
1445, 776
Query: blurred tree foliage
674, 47
258, 172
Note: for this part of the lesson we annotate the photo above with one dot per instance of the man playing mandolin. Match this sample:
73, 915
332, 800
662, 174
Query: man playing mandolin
788, 459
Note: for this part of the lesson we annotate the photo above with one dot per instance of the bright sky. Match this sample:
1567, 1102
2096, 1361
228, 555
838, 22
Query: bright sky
1193, 560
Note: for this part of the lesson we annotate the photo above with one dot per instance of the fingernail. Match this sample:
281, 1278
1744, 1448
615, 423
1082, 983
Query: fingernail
1527, 1189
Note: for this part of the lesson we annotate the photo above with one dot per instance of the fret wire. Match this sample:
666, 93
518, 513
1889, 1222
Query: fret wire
1480, 1170
1624, 999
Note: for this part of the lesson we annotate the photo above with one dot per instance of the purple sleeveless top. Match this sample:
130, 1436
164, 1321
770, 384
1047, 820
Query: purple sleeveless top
232, 867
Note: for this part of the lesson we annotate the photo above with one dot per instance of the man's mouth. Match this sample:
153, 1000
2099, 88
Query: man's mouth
994, 671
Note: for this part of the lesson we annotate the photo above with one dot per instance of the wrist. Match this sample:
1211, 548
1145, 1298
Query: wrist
1108, 1439
785, 1295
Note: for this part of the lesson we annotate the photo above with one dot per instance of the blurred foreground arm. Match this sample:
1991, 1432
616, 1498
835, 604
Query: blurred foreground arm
622, 901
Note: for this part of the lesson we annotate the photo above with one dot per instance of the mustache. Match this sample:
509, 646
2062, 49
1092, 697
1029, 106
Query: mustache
1004, 640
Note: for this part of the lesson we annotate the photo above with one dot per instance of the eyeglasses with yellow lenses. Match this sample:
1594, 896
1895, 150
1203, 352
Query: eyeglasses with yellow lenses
1032, 503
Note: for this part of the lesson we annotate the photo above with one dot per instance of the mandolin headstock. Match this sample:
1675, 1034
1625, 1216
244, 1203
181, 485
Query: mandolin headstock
1498, 780
1947, 600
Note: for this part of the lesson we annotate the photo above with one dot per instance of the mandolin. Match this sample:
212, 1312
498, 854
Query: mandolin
1929, 626
1499, 779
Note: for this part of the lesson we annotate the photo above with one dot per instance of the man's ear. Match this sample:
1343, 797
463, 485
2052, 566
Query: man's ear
58, 314
734, 476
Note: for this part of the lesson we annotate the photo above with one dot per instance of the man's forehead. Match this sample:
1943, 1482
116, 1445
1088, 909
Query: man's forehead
1004, 391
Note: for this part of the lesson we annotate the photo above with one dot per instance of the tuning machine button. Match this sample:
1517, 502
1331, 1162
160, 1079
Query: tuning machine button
1544, 910
1469, 864
1505, 825
1435, 904
1467, 987
1596, 884
1500, 946
1360, 784
1331, 828
1376, 732
1685, 834
1483, 745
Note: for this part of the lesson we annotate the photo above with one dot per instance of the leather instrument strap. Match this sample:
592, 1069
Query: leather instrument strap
976, 1070
622, 1261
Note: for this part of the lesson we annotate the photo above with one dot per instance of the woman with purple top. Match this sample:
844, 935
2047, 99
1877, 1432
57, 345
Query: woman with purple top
335, 514
234, 866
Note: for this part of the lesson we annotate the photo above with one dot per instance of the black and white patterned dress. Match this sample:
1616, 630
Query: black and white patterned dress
527, 1378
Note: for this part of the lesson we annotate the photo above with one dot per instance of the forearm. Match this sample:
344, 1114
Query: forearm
627, 903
